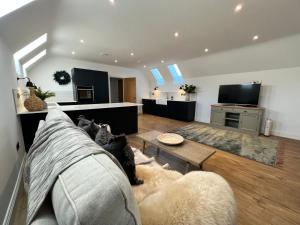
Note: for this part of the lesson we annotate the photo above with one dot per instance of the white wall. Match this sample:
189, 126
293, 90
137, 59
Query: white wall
276, 63
10, 132
42, 75
280, 96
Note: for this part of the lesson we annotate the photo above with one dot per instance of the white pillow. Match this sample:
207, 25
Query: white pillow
56, 114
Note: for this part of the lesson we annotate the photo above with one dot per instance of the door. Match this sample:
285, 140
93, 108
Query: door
129, 90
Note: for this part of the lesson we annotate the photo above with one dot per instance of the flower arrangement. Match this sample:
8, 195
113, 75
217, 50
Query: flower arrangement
43, 94
189, 89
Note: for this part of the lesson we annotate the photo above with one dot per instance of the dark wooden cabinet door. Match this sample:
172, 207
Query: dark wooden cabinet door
178, 110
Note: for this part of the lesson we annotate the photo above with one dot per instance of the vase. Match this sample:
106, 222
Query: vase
188, 97
45, 105
33, 103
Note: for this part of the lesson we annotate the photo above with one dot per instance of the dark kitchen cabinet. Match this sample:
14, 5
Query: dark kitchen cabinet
121, 120
91, 78
179, 110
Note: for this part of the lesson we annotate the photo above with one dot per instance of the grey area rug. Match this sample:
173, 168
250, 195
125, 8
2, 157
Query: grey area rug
260, 149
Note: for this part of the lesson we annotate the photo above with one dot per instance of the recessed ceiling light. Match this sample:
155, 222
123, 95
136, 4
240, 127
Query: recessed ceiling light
238, 8
73, 52
81, 41
132, 54
112, 1
176, 34
162, 61
116, 61
206, 50
255, 37
145, 66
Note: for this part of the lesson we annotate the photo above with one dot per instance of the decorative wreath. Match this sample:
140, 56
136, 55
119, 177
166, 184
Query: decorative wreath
62, 77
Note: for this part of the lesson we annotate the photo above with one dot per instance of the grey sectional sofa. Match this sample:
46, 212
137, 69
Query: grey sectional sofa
95, 191
92, 191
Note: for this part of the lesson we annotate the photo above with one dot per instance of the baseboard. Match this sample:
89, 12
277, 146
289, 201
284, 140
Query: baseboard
13, 198
286, 135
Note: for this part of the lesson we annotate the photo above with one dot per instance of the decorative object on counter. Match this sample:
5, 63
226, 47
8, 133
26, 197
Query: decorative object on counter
170, 138
62, 77
189, 90
256, 82
33, 103
156, 92
29, 83
43, 95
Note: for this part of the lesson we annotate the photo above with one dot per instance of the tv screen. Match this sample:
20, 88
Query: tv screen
246, 94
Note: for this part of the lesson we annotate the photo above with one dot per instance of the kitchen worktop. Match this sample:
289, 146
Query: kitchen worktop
83, 107
174, 100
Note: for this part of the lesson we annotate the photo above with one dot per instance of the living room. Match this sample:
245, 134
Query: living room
207, 93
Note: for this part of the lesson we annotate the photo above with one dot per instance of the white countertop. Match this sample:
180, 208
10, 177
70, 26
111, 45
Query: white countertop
174, 100
84, 107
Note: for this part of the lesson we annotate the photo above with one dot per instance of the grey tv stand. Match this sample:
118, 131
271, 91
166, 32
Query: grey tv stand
238, 118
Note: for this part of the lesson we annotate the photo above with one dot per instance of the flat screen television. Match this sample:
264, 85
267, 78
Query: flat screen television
243, 94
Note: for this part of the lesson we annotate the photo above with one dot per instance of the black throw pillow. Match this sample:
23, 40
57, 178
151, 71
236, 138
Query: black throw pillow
89, 126
119, 148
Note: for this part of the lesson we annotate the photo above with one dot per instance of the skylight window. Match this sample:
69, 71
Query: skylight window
33, 60
30, 47
8, 6
26, 50
158, 77
176, 74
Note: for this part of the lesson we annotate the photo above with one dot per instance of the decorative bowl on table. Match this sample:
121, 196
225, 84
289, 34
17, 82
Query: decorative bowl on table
170, 139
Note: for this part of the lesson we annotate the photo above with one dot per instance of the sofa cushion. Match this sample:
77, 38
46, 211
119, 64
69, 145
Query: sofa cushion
89, 126
55, 114
94, 191
45, 216
103, 135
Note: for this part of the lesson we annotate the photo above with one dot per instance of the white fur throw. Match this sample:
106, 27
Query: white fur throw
197, 198
155, 178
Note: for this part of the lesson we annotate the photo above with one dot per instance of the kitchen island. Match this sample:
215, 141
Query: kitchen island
122, 117
174, 109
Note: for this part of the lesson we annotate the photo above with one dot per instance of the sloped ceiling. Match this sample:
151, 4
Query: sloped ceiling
147, 27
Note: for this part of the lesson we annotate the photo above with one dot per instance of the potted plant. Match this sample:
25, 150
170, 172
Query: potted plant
188, 89
43, 95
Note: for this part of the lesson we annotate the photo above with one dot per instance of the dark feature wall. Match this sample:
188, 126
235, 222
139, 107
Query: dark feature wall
98, 79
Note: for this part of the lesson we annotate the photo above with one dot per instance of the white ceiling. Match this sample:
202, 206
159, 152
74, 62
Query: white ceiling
146, 27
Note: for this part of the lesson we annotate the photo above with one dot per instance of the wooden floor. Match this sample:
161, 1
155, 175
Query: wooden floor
265, 195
